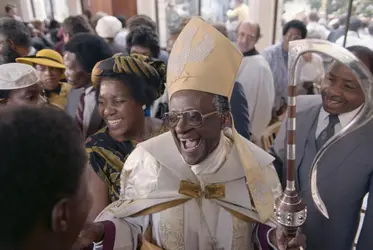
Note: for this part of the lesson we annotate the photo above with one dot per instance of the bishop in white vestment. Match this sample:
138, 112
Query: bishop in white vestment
201, 185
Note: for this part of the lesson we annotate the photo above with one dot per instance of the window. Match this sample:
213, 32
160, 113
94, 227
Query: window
49, 9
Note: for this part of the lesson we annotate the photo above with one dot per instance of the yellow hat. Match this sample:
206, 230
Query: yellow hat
46, 57
202, 59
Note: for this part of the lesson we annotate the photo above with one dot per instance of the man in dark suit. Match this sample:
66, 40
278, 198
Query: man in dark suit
346, 170
82, 52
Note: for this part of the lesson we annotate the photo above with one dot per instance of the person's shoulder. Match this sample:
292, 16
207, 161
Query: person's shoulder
237, 88
255, 64
163, 56
98, 139
307, 102
141, 162
271, 48
261, 61
269, 52
157, 140
65, 86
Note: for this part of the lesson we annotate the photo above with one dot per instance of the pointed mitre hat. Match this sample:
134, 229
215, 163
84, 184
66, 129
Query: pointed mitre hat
202, 59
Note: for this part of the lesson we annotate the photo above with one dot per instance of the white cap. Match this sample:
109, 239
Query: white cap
17, 76
108, 27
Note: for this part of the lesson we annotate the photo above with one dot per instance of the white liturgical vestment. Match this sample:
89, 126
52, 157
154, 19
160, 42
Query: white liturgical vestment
152, 176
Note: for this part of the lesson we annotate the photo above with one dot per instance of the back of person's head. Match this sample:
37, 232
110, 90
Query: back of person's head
355, 24
334, 24
343, 19
295, 24
9, 7
44, 195
123, 20
141, 20
145, 37
364, 54
54, 24
16, 31
89, 49
314, 17
74, 25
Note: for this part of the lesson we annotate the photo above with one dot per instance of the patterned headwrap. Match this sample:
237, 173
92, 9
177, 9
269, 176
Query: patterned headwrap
153, 71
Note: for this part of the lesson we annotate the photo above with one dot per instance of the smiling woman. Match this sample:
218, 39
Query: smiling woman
124, 85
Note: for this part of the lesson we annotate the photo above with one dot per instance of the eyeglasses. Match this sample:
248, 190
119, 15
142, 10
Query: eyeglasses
193, 118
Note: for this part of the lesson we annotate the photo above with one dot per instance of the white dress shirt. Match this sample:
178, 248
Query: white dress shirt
353, 39
344, 119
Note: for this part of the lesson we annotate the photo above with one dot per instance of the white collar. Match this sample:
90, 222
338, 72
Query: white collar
31, 51
344, 118
88, 90
216, 158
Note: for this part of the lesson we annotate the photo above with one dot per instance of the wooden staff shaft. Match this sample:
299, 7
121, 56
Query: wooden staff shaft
291, 129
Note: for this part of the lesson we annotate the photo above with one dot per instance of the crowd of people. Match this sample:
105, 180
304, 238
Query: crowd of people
111, 142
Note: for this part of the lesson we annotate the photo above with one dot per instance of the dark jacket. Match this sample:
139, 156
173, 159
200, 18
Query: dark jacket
240, 111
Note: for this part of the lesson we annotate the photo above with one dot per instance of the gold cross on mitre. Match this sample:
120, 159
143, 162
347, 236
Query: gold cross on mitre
203, 59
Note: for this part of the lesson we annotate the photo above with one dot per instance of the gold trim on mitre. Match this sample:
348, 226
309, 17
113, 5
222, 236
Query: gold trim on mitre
202, 59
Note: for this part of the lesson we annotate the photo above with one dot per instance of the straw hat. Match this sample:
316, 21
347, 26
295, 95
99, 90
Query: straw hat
45, 57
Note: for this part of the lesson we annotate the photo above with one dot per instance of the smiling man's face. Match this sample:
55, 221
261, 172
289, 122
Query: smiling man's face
195, 143
341, 91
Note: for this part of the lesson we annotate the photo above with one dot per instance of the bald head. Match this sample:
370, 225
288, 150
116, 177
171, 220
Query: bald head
248, 34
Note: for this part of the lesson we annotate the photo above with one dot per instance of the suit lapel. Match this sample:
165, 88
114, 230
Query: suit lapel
305, 121
342, 149
95, 122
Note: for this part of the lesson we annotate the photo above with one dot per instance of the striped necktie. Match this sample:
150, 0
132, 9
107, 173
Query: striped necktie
79, 114
328, 132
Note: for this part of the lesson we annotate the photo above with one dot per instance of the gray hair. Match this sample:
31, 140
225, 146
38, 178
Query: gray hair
15, 31
222, 104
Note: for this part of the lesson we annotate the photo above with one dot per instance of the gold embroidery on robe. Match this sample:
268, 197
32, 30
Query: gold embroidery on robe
241, 237
172, 228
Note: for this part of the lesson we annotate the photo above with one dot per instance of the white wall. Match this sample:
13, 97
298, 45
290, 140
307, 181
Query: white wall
262, 12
